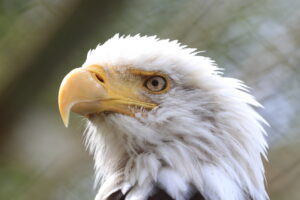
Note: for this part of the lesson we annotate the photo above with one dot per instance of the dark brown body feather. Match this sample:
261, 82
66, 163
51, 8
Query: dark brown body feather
158, 195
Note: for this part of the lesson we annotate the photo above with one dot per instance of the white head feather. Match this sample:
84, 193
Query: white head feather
204, 133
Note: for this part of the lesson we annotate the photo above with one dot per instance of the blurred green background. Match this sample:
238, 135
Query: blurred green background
257, 41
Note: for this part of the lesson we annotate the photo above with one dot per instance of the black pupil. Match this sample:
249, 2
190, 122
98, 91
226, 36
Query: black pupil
155, 83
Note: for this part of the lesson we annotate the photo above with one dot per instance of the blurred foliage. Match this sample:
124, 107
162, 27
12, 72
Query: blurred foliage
41, 40
13, 181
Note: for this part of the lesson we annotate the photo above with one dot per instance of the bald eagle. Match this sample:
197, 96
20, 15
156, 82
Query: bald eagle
163, 123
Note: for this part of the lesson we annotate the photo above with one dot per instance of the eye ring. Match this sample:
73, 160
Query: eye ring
156, 83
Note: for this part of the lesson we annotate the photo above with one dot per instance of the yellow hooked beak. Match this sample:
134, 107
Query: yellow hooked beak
92, 90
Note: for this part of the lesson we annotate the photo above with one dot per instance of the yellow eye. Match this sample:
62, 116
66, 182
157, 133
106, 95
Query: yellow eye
156, 83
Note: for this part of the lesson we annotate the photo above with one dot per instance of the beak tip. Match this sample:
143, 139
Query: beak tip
65, 115
66, 123
65, 119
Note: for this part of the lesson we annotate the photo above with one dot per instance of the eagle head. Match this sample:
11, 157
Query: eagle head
161, 117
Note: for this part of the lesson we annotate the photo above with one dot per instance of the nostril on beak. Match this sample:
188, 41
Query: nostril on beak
99, 78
